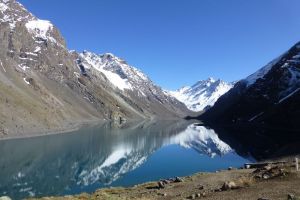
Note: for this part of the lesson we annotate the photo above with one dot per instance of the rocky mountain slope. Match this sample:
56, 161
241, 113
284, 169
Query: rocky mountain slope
269, 97
202, 95
44, 86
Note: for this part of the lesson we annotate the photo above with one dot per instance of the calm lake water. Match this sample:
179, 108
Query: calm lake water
103, 156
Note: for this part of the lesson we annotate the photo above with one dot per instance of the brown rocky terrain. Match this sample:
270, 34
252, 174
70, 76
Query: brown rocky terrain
276, 181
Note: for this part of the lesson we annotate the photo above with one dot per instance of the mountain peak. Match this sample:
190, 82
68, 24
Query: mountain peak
202, 94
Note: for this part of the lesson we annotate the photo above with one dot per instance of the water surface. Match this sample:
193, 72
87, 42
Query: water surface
104, 155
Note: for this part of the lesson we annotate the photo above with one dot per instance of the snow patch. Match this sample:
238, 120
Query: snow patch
2, 66
250, 80
37, 49
39, 28
23, 66
3, 7
97, 63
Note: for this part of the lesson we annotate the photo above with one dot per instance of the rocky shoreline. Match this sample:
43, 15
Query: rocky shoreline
68, 128
264, 182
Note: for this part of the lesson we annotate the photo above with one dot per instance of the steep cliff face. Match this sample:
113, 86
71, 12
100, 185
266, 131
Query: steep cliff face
43, 86
268, 97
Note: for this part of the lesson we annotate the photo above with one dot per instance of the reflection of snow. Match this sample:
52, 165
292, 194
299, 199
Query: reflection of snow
126, 158
202, 139
119, 162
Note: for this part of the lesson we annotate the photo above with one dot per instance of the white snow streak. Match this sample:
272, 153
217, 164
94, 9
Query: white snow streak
289, 95
2, 66
256, 116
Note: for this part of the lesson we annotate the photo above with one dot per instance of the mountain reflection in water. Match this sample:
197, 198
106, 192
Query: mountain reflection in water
100, 156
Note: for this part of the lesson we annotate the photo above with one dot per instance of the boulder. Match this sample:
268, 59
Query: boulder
161, 185
229, 185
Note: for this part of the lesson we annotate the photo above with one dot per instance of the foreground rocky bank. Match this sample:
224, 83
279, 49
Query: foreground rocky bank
272, 181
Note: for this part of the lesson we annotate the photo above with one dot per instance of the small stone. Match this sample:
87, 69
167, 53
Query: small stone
198, 195
265, 176
203, 194
262, 199
165, 195
291, 197
201, 187
177, 180
193, 196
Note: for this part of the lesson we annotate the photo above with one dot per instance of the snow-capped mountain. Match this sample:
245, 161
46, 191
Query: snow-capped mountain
51, 87
203, 94
268, 97
131, 83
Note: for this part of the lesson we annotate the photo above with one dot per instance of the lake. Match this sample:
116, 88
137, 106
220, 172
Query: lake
106, 155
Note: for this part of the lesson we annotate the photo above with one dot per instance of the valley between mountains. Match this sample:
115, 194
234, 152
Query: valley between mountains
44, 87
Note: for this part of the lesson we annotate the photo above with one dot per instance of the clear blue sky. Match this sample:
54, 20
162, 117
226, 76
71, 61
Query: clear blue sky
178, 42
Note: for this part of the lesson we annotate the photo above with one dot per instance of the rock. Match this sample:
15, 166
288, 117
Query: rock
164, 194
229, 185
203, 194
177, 180
262, 199
198, 195
5, 198
268, 167
266, 176
201, 187
161, 185
291, 197
193, 196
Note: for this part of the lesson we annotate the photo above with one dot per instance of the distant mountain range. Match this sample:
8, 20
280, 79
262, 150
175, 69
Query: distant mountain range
269, 97
45, 87
202, 95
